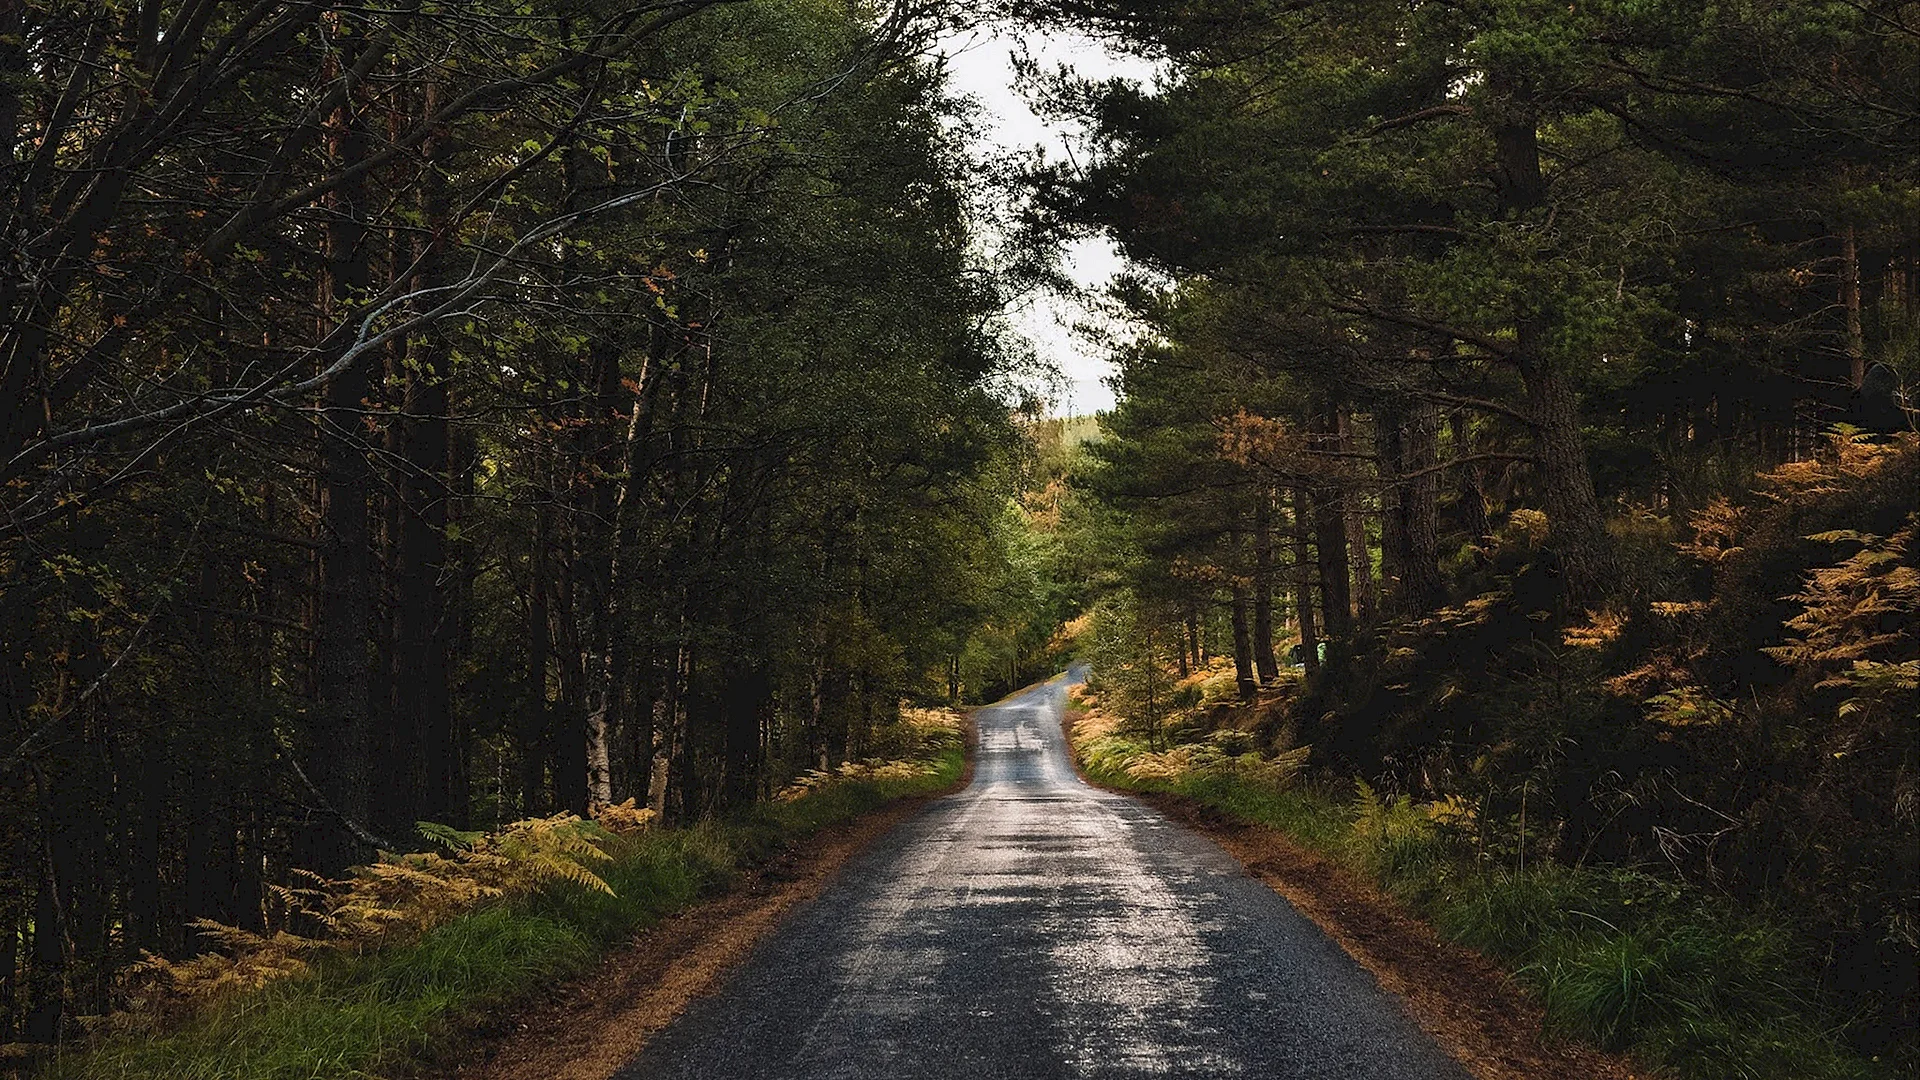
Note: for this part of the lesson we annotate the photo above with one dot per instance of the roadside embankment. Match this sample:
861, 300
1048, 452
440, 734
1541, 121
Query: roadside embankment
1527, 970
564, 978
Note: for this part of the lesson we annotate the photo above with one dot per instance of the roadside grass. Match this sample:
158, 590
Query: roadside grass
1627, 960
379, 1014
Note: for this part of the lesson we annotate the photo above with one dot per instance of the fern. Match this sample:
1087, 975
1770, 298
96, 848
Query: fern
1857, 614
391, 901
447, 836
626, 819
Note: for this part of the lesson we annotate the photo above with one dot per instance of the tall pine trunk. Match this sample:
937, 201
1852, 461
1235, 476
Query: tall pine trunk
1850, 303
1242, 643
1359, 552
1469, 489
423, 622
1578, 529
339, 727
614, 639
1303, 583
1263, 661
533, 734
1419, 506
1330, 554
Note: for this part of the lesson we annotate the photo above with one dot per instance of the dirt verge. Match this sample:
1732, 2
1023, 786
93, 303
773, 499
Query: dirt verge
1466, 1002
589, 1028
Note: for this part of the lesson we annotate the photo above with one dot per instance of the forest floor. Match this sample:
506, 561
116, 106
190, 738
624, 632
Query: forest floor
1465, 1001
593, 1025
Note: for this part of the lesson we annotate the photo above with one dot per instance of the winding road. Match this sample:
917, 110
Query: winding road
1034, 927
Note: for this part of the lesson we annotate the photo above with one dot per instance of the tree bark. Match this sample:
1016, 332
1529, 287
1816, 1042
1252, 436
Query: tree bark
423, 622
1330, 554
1419, 507
747, 697
1469, 492
340, 726
1303, 583
1578, 528
533, 728
568, 729
1359, 551
1850, 302
1396, 548
615, 638
682, 792
1242, 643
46, 982
1263, 661
645, 702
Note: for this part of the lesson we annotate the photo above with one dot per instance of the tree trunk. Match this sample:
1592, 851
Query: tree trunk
747, 697
1389, 441
533, 727
1578, 529
615, 638
1850, 302
338, 753
1242, 643
1469, 491
1303, 583
15, 915
423, 621
46, 982
645, 702
154, 775
1330, 554
1419, 508
569, 728
1359, 552
682, 793
1263, 661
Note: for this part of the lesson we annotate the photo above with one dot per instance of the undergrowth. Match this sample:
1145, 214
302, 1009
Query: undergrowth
1628, 960
386, 1011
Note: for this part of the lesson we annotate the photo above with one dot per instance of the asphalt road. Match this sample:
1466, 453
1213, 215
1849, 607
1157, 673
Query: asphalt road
1033, 927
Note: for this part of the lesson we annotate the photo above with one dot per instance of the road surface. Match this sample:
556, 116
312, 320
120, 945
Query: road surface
1032, 928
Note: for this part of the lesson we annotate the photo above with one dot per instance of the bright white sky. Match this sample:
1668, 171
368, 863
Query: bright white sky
981, 63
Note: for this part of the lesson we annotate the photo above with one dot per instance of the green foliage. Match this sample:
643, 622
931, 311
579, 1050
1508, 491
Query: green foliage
660, 393
1482, 309
1395, 840
1130, 666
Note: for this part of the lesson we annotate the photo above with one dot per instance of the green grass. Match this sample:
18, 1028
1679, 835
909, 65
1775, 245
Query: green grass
1627, 960
377, 1014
